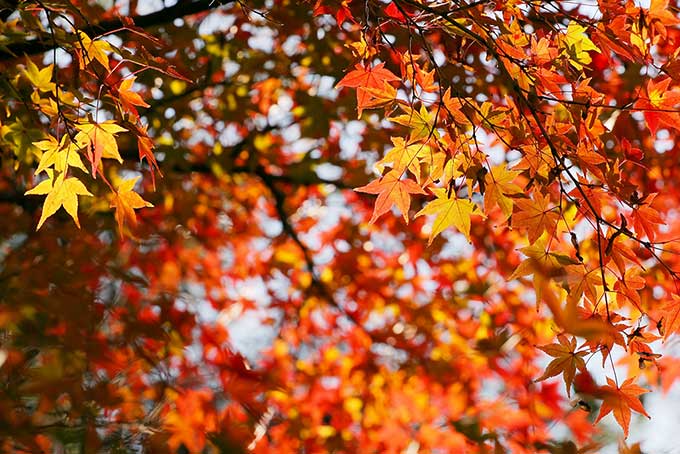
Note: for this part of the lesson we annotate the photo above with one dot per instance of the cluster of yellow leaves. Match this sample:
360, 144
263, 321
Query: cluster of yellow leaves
58, 157
97, 140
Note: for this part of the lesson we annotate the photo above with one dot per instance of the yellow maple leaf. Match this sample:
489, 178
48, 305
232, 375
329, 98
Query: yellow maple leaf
40, 78
99, 140
499, 185
59, 155
576, 45
449, 211
60, 192
92, 50
126, 200
45, 105
420, 122
404, 156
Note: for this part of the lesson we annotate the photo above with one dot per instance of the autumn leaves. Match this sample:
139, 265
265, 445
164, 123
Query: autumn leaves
566, 200
75, 119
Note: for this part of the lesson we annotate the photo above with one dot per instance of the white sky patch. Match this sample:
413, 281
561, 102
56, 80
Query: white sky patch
151, 6
329, 171
262, 40
215, 23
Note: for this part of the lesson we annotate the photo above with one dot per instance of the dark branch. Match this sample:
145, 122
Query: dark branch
181, 9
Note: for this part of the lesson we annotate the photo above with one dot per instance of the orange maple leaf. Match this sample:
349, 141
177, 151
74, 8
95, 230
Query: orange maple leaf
191, 420
391, 191
126, 201
145, 146
659, 12
376, 97
646, 218
670, 317
566, 361
366, 77
536, 216
128, 98
621, 400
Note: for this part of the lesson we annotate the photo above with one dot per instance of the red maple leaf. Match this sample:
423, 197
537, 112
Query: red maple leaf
367, 77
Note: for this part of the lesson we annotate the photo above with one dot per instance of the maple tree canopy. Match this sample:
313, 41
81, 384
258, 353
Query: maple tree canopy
380, 226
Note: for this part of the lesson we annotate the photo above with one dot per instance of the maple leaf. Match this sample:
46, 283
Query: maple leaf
629, 285
60, 192
40, 79
61, 155
90, 51
631, 152
670, 317
419, 121
128, 98
542, 50
449, 211
499, 182
367, 77
536, 216
547, 266
145, 147
126, 201
621, 400
577, 44
404, 156
361, 49
395, 13
658, 10
378, 97
191, 420
646, 218
391, 191
566, 361
658, 105
542, 264
453, 106
582, 281
341, 12
99, 140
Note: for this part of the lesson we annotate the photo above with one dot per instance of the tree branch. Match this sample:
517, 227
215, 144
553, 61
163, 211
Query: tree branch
181, 9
